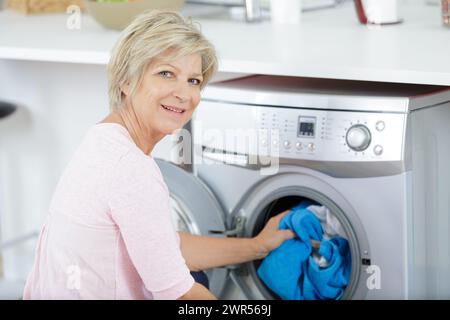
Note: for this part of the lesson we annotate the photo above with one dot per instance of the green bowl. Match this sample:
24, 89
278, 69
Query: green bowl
116, 14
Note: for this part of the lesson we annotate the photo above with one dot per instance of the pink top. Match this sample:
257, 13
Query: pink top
109, 233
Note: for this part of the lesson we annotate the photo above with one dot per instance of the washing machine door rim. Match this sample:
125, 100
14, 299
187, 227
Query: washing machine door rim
283, 185
194, 196
199, 206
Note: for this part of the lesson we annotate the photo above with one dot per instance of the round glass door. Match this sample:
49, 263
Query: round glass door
281, 193
182, 219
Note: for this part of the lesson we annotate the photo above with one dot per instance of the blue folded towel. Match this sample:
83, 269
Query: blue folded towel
291, 272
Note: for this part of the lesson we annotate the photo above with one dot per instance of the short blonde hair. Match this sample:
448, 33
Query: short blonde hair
150, 34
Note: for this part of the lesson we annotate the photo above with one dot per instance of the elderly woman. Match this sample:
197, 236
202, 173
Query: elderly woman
109, 234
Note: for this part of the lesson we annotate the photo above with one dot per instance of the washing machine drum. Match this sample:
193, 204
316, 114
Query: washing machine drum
336, 218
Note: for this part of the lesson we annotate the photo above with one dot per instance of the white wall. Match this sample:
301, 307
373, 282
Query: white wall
58, 103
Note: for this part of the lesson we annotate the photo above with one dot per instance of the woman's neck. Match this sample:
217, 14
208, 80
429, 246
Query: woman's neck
142, 137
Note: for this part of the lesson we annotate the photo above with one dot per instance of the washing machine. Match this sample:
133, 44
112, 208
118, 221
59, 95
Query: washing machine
375, 154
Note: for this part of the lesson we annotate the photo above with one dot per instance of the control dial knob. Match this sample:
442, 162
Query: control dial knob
358, 137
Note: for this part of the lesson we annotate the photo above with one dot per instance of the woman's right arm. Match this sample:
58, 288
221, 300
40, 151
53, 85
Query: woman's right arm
198, 292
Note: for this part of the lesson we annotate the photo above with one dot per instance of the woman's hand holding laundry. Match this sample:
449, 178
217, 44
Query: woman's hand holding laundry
271, 237
203, 252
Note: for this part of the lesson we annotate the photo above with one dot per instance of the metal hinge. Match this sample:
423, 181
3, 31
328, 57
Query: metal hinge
238, 229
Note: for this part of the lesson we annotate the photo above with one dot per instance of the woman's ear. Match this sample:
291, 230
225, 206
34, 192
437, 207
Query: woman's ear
125, 88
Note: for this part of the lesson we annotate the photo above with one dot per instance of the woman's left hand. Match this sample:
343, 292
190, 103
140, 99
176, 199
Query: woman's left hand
271, 237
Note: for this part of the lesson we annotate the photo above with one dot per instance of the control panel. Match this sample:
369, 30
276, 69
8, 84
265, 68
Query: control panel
296, 133
332, 135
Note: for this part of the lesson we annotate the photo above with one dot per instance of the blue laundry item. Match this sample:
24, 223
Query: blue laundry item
290, 270
330, 282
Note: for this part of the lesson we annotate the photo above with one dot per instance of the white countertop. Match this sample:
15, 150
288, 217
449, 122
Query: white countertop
328, 43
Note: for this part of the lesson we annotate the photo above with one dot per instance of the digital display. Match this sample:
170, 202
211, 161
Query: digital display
306, 127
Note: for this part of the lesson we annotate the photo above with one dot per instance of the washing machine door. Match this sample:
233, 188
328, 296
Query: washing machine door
283, 191
194, 210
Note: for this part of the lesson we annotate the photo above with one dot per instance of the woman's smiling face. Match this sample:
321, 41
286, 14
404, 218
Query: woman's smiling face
168, 94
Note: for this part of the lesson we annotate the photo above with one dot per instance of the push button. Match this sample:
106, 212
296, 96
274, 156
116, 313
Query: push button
263, 142
380, 125
378, 150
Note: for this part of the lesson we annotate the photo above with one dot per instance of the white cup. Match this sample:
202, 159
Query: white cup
285, 11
